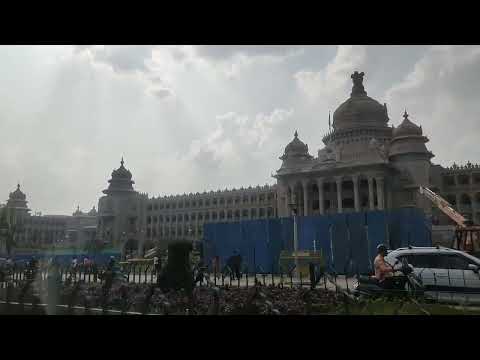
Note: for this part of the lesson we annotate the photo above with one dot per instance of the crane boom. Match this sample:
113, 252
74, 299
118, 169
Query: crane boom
443, 205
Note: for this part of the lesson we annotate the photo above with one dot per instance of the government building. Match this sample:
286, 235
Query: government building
366, 164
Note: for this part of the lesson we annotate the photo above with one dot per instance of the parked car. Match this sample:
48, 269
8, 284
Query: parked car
448, 275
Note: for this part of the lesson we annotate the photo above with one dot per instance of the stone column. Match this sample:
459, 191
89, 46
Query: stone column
370, 193
380, 204
287, 201
339, 194
293, 199
305, 198
321, 197
356, 196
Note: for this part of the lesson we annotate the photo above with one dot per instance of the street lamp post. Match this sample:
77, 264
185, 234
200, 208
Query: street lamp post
293, 207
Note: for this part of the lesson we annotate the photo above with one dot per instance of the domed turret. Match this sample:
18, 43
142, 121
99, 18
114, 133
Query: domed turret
18, 200
17, 194
121, 172
408, 139
121, 180
407, 128
296, 148
359, 110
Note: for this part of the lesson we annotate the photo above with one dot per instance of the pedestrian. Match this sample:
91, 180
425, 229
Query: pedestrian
157, 265
217, 264
200, 273
237, 262
74, 268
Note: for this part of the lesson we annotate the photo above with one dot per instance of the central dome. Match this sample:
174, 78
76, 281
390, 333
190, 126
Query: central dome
359, 110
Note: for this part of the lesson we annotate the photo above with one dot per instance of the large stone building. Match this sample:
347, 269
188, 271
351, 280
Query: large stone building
365, 164
43, 231
132, 222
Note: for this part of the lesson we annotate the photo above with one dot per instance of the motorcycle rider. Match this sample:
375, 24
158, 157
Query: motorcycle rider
383, 270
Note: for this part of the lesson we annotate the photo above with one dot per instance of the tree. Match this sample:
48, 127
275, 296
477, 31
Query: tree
178, 272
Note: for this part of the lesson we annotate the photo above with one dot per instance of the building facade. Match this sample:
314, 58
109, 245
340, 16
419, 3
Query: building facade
43, 231
366, 164
133, 222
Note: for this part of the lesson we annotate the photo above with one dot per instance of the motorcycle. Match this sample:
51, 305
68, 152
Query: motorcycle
404, 283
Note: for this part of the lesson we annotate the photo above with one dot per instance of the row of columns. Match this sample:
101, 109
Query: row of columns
379, 180
471, 178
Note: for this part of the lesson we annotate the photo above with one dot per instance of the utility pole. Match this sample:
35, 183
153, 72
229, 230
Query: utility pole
293, 206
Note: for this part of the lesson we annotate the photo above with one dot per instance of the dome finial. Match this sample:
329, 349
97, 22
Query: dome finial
296, 134
329, 123
358, 88
122, 162
18, 185
405, 115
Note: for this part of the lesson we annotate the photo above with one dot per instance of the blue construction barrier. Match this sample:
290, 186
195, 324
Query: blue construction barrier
348, 241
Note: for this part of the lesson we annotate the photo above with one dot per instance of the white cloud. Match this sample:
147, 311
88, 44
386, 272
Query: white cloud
223, 52
240, 143
441, 94
331, 83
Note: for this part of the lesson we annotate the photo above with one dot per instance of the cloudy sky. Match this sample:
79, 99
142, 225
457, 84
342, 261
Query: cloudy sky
195, 118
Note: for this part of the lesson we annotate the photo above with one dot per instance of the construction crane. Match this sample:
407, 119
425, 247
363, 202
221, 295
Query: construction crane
467, 235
